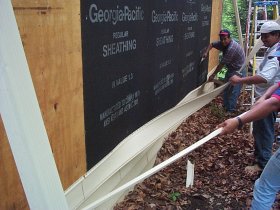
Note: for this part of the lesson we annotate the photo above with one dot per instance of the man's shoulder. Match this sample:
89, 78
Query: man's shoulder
235, 44
216, 43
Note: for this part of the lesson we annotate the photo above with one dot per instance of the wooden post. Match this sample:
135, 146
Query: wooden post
23, 121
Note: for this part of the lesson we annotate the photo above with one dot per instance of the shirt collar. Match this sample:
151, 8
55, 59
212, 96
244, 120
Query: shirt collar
272, 48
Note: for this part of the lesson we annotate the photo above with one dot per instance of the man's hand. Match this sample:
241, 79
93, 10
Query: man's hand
228, 126
205, 55
211, 78
234, 80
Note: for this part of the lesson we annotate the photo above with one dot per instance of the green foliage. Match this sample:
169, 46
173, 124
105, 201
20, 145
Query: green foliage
174, 196
222, 74
228, 16
217, 111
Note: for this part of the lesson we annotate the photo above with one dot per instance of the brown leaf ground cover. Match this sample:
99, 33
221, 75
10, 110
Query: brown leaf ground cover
219, 180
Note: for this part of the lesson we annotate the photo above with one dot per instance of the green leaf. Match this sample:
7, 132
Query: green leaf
174, 196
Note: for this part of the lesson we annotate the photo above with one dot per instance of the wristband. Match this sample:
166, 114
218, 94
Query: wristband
240, 123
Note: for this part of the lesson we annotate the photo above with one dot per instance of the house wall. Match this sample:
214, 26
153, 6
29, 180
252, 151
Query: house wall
51, 36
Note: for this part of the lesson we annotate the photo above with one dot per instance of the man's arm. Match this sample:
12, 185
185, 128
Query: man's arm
218, 68
267, 94
256, 79
210, 46
266, 75
257, 112
270, 90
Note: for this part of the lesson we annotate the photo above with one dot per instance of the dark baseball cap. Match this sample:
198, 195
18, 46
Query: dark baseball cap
224, 32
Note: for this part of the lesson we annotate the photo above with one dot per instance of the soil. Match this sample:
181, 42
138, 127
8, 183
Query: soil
220, 181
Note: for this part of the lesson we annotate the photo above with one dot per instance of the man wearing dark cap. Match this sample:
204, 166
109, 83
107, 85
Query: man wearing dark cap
233, 58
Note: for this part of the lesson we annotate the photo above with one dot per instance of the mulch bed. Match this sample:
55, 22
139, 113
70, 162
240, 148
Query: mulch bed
219, 180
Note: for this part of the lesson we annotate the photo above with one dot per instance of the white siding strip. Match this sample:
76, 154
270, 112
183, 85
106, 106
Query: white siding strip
154, 170
136, 143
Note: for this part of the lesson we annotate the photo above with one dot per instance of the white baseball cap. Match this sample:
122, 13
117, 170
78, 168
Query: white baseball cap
269, 26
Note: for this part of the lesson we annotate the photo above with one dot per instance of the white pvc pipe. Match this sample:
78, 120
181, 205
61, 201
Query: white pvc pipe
248, 28
237, 18
153, 170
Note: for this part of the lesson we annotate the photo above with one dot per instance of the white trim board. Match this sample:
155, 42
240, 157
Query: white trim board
23, 122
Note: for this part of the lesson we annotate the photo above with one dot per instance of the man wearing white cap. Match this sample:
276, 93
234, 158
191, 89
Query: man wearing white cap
267, 74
